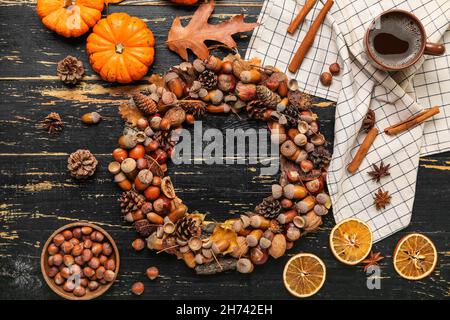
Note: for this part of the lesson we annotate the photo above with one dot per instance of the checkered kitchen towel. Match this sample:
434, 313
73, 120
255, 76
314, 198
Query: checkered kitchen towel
393, 97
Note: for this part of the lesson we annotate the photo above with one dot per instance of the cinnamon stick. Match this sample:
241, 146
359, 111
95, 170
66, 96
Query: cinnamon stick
301, 16
412, 121
309, 38
362, 151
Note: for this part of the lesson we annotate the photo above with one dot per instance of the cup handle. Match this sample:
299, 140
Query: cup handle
434, 49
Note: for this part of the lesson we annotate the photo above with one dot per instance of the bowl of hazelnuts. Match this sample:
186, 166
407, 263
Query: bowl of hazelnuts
80, 261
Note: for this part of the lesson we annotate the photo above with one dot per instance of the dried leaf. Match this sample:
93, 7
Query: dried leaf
157, 79
199, 30
130, 113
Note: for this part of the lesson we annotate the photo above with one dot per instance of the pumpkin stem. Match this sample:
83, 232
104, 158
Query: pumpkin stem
119, 48
69, 3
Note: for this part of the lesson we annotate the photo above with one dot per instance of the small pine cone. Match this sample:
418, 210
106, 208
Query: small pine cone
144, 228
270, 98
194, 107
269, 208
187, 228
144, 103
256, 109
320, 157
131, 201
369, 120
81, 164
164, 138
52, 123
292, 115
300, 100
208, 79
70, 70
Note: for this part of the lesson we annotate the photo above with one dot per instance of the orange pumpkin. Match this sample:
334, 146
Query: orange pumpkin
70, 18
121, 48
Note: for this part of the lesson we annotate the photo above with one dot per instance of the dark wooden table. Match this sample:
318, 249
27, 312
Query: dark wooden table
38, 195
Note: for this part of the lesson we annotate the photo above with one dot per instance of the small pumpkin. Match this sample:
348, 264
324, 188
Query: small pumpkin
121, 48
70, 18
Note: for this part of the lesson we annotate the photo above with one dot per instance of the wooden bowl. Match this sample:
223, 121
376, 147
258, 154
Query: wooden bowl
89, 294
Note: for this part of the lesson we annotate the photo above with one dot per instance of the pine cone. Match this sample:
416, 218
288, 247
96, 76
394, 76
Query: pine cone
164, 138
300, 100
144, 103
81, 164
52, 123
144, 228
369, 120
196, 108
320, 157
269, 208
256, 109
70, 70
187, 228
208, 79
270, 98
131, 201
292, 115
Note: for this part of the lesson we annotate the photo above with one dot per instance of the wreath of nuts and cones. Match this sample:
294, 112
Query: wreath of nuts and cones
186, 93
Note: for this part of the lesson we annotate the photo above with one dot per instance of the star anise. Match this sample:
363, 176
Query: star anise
381, 199
379, 171
372, 260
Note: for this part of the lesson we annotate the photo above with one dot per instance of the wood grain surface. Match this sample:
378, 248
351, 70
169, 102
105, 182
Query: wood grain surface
38, 196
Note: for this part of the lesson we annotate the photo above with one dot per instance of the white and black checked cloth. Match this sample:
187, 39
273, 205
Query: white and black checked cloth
393, 97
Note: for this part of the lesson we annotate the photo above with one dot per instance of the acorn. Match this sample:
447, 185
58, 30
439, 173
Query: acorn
250, 76
91, 118
175, 84
244, 265
213, 63
222, 108
227, 67
143, 180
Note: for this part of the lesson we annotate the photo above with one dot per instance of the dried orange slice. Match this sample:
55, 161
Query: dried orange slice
351, 241
415, 257
304, 275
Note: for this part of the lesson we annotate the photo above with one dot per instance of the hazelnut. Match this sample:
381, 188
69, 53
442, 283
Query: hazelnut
74, 241
326, 78
156, 181
93, 285
110, 265
75, 269
52, 272
67, 247
67, 234
88, 272
258, 255
138, 244
97, 236
152, 273
103, 259
65, 272
142, 123
52, 249
100, 272
119, 155
77, 250
226, 82
137, 152
87, 255
107, 249
97, 248
109, 275
87, 244
84, 282
79, 291
69, 286
94, 263
335, 68
57, 259
59, 280
58, 239
68, 260
77, 233
50, 261
137, 288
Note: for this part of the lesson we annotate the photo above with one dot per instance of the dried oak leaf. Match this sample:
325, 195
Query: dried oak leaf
224, 232
130, 113
199, 30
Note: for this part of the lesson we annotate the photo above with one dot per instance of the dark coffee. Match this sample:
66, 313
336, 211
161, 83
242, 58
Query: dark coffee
395, 40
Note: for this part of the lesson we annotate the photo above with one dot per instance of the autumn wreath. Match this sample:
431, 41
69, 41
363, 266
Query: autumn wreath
186, 93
